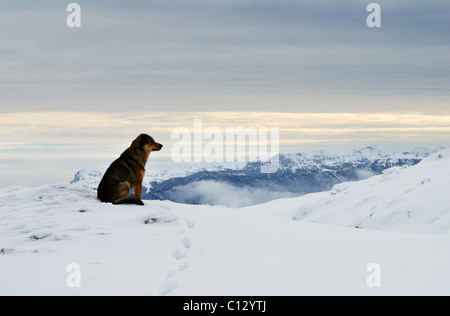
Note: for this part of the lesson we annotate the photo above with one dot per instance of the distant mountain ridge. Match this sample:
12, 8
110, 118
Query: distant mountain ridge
243, 184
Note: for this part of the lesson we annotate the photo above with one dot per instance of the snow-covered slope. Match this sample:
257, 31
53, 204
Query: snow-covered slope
409, 199
165, 248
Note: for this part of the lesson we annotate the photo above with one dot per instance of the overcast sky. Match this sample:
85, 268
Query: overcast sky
133, 62
216, 55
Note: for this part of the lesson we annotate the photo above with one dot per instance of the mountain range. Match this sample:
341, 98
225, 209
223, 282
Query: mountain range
243, 184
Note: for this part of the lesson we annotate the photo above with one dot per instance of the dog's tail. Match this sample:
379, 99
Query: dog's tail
130, 199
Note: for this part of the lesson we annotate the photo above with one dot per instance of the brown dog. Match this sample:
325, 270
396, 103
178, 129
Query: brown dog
127, 172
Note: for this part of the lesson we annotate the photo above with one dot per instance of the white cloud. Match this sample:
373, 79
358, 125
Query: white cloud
225, 194
103, 135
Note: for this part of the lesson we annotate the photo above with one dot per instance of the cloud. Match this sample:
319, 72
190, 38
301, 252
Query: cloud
224, 194
202, 55
107, 134
364, 174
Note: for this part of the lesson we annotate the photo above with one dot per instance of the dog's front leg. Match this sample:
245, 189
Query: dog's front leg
138, 187
138, 190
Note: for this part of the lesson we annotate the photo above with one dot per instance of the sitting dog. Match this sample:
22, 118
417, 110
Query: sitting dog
127, 172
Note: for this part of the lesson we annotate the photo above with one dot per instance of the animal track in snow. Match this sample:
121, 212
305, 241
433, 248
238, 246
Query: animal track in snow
186, 242
190, 224
183, 266
170, 274
180, 254
168, 286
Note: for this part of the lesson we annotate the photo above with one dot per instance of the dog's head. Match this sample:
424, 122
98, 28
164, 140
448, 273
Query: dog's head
147, 143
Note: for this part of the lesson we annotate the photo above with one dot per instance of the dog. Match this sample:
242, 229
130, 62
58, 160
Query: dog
127, 172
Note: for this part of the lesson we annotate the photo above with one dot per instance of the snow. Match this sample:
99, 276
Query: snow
164, 248
87, 178
411, 199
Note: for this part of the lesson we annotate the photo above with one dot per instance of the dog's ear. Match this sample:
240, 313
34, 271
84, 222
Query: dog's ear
141, 141
137, 142
145, 140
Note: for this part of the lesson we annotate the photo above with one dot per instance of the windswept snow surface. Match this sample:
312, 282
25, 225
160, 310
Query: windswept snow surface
411, 199
165, 248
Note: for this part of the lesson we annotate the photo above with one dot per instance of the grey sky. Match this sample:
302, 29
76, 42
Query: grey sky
210, 55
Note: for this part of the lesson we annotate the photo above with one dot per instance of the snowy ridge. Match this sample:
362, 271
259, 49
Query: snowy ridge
187, 169
408, 199
371, 153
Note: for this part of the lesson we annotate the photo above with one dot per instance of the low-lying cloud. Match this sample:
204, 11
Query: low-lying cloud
224, 194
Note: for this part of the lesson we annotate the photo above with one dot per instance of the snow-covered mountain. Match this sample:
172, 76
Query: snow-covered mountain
243, 184
407, 199
88, 179
165, 248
